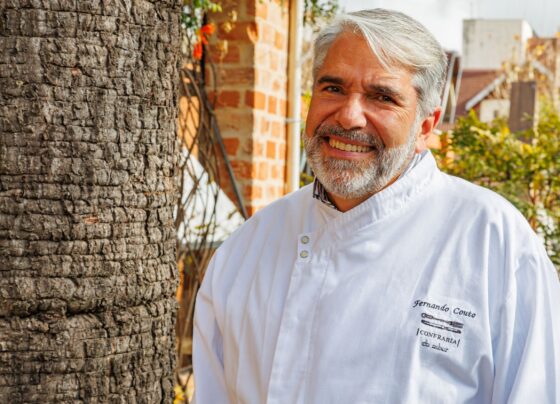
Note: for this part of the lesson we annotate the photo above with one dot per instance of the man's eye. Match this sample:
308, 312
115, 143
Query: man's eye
332, 89
383, 98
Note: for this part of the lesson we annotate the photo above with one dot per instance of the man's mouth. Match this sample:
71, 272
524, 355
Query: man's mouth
337, 144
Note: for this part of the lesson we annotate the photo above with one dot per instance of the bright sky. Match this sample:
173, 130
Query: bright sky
444, 17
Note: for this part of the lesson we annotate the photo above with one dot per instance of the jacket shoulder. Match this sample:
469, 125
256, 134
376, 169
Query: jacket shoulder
274, 216
481, 201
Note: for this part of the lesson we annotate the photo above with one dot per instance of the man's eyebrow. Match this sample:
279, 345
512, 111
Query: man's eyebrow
330, 80
374, 88
385, 90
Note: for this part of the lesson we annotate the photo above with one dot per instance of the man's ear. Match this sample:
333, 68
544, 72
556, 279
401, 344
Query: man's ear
426, 129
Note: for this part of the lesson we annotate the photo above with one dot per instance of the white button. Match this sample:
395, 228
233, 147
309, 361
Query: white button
304, 254
305, 239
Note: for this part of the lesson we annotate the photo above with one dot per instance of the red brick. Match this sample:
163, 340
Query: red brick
272, 105
270, 150
282, 108
247, 189
255, 99
231, 145
252, 192
242, 169
257, 8
248, 146
242, 31
277, 171
276, 86
235, 121
237, 76
279, 40
230, 54
228, 99
262, 172
265, 126
247, 53
282, 151
259, 148
257, 192
277, 129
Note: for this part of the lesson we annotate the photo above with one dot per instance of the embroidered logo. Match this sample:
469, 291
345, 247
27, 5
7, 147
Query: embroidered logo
441, 325
453, 326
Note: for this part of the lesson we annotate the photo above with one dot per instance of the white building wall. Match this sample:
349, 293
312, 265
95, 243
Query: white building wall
444, 17
488, 43
492, 109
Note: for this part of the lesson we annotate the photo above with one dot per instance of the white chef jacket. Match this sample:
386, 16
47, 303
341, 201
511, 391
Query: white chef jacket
433, 290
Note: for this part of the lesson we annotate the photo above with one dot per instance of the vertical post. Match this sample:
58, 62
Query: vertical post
294, 95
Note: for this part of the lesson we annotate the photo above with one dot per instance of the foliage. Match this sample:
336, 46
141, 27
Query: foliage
193, 12
523, 167
317, 11
195, 31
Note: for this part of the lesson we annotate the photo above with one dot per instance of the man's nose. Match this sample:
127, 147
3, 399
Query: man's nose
351, 114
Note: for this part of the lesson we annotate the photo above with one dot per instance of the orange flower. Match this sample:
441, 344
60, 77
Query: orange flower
197, 51
207, 29
202, 34
204, 31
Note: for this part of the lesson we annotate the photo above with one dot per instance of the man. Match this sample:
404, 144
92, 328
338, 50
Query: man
386, 281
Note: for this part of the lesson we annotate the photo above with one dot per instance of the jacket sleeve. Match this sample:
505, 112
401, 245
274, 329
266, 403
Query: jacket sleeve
527, 348
210, 387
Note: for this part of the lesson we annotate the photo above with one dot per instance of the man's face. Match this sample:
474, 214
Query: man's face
361, 129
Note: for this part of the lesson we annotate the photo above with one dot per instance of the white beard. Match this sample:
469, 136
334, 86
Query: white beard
351, 179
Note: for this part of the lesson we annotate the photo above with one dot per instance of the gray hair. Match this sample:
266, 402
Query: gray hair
396, 40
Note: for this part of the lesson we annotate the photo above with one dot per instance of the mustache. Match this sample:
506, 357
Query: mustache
368, 139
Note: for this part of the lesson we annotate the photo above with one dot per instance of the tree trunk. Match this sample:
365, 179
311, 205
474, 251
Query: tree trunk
87, 244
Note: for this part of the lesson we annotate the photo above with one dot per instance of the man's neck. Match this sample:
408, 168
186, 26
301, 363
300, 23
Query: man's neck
345, 204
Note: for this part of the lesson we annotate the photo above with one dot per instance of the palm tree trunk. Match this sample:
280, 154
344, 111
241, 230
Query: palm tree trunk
87, 245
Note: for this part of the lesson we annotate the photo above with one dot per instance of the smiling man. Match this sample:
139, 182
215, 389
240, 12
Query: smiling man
362, 125
386, 281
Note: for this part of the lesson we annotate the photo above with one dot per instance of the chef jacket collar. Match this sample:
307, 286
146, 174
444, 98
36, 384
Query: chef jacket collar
342, 224
320, 193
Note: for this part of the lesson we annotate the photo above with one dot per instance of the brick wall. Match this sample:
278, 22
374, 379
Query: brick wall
250, 54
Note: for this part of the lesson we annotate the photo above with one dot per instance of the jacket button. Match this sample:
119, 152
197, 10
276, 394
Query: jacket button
304, 254
305, 239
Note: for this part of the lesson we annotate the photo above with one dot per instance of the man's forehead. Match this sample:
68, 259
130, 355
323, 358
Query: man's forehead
340, 76
351, 50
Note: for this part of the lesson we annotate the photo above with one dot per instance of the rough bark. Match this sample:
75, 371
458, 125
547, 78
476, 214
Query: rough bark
87, 245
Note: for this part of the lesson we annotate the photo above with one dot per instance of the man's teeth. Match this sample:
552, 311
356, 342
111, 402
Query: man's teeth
347, 147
